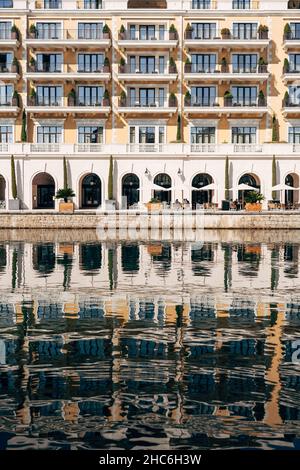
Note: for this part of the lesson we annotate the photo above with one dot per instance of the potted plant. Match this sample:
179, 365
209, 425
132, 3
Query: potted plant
65, 195
172, 66
188, 65
286, 66
32, 31
72, 97
122, 33
15, 99
228, 99
187, 99
286, 99
122, 65
253, 201
106, 98
172, 33
123, 99
189, 32
261, 99
172, 100
15, 65
287, 32
154, 204
224, 65
32, 65
106, 68
262, 65
263, 31
32, 97
225, 33
106, 32
15, 33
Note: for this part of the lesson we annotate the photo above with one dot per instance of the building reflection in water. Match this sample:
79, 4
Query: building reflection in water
120, 341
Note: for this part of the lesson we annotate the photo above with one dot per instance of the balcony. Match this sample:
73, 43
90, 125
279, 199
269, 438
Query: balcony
65, 39
67, 74
227, 73
160, 40
203, 5
227, 108
128, 74
217, 40
149, 108
290, 74
9, 39
48, 5
36, 106
9, 107
9, 72
290, 107
291, 40
90, 4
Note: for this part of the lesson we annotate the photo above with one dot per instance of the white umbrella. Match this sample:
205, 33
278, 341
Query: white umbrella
284, 187
160, 188
244, 187
208, 187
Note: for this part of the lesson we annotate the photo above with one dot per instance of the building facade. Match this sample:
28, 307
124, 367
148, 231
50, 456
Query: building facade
172, 90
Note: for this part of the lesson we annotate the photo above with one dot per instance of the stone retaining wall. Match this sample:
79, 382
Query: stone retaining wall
144, 220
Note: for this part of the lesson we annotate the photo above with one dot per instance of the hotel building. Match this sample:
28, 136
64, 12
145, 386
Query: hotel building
171, 89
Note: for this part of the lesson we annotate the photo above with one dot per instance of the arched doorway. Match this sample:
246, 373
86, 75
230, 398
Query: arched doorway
91, 191
163, 180
43, 191
201, 197
250, 180
130, 189
291, 197
2, 193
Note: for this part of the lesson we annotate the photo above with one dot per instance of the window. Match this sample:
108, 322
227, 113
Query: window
49, 134
5, 61
294, 61
294, 95
52, 4
147, 134
201, 4
48, 62
90, 95
90, 135
244, 30
147, 64
203, 96
203, 63
90, 30
5, 29
90, 62
244, 63
294, 135
204, 30
294, 4
49, 95
147, 97
92, 4
244, 95
48, 30
241, 4
6, 92
244, 135
6, 134
295, 30
203, 135
6, 3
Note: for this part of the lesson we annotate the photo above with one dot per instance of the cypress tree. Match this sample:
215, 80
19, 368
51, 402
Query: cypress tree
65, 173
227, 178
178, 136
274, 129
24, 132
13, 179
274, 176
110, 179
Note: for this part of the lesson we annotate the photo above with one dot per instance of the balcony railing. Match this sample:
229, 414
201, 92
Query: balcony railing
246, 5
5, 33
203, 5
39, 102
159, 35
127, 69
225, 68
283, 150
228, 103
68, 34
48, 5
214, 34
143, 104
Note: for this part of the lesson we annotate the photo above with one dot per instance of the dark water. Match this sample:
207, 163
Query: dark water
129, 345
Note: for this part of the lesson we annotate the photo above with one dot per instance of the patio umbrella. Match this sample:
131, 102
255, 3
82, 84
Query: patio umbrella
208, 187
284, 187
160, 188
244, 187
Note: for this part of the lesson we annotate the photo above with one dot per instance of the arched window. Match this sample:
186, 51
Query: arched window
163, 180
201, 197
130, 189
43, 191
90, 191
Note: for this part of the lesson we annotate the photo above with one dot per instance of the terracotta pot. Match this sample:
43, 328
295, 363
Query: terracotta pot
253, 207
188, 68
71, 101
154, 206
66, 207
172, 36
227, 102
106, 69
106, 102
172, 69
122, 69
106, 36
188, 34
154, 250
263, 35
